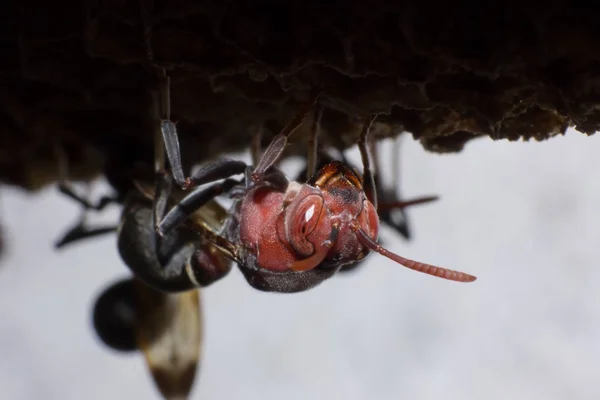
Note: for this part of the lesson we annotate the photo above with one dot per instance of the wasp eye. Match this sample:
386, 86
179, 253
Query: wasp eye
301, 220
368, 219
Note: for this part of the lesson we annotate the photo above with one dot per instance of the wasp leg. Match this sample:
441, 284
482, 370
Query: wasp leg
275, 149
66, 188
160, 202
255, 147
168, 139
192, 202
165, 265
397, 218
210, 172
370, 188
81, 232
313, 143
391, 209
219, 169
323, 158
179, 261
216, 170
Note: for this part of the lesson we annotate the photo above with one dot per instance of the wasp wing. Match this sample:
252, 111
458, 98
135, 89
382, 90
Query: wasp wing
169, 333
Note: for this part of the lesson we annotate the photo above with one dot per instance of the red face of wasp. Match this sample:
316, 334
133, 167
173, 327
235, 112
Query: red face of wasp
286, 231
309, 224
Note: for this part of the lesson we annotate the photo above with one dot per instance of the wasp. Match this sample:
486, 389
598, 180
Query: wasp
132, 314
391, 208
285, 236
166, 327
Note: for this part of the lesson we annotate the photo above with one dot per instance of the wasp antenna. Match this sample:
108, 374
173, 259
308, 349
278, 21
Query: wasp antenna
414, 265
407, 203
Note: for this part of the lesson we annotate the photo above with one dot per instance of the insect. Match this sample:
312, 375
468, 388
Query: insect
166, 327
132, 314
286, 236
390, 209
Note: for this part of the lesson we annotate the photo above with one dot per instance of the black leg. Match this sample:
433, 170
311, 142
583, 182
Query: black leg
167, 141
400, 204
192, 202
369, 182
255, 148
164, 185
171, 143
163, 180
374, 154
67, 189
397, 217
160, 202
390, 208
313, 143
275, 149
219, 169
81, 232
175, 265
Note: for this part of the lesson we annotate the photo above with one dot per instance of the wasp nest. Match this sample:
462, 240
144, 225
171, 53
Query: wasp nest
78, 72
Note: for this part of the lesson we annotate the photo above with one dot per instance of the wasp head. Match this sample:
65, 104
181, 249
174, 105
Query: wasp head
325, 223
349, 209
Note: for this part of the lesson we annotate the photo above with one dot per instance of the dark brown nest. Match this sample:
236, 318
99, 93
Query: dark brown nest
77, 73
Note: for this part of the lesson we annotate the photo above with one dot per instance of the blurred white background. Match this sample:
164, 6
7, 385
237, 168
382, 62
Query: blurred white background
523, 217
